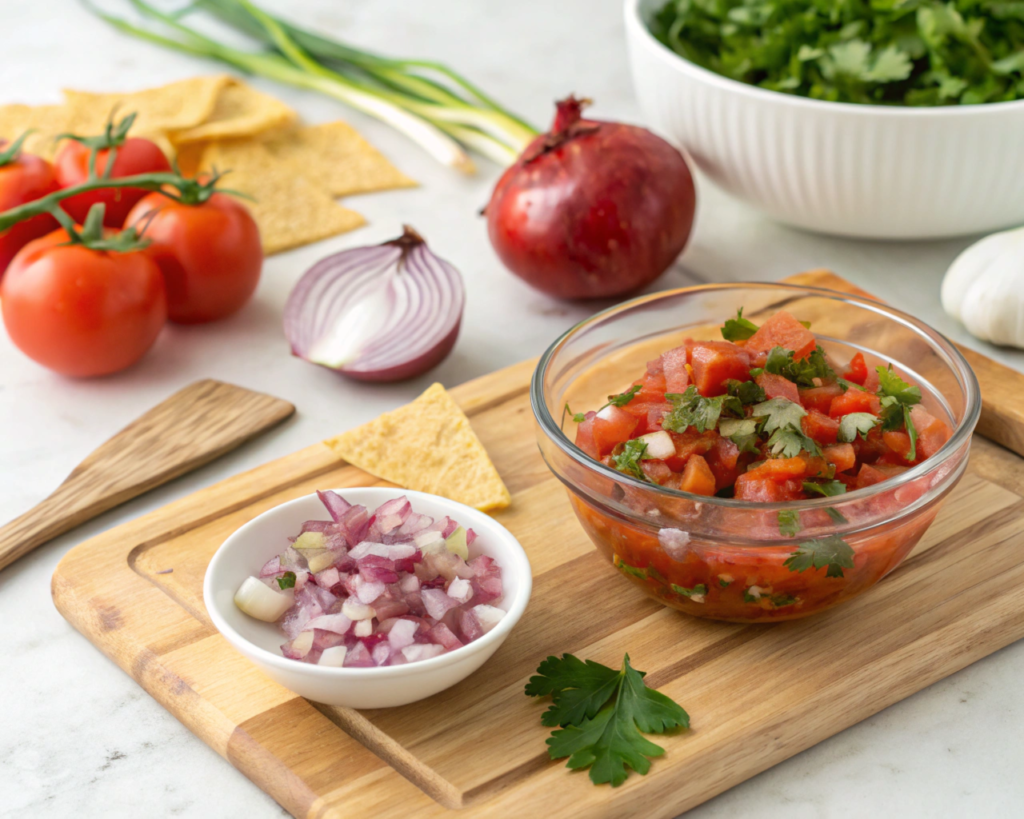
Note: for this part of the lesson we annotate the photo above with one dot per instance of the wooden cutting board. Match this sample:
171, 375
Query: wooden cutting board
756, 694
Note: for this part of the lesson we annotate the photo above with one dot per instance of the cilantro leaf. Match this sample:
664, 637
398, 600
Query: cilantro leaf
603, 712
832, 552
911, 432
849, 385
697, 591
577, 417
854, 424
691, 409
628, 460
789, 522
748, 392
779, 413
836, 515
287, 580
780, 361
739, 328
741, 431
828, 489
788, 443
780, 600
623, 398
890, 384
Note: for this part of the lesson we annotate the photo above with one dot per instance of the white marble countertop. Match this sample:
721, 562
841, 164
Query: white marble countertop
79, 737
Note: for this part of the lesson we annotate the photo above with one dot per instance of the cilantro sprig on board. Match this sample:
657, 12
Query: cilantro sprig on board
602, 715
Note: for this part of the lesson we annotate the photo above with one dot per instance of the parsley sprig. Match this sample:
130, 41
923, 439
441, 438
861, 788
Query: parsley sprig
601, 713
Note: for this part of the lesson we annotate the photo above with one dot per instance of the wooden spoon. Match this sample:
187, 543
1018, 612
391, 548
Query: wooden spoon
192, 427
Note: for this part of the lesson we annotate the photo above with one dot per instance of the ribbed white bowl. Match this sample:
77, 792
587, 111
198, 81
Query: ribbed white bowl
855, 170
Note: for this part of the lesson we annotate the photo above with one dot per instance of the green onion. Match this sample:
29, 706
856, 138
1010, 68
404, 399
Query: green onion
430, 103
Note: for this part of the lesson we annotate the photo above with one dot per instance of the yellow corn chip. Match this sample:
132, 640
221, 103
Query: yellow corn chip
173, 107
339, 159
428, 446
240, 111
46, 122
289, 209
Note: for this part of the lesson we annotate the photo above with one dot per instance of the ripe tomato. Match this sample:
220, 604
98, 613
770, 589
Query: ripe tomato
135, 155
209, 253
82, 312
24, 178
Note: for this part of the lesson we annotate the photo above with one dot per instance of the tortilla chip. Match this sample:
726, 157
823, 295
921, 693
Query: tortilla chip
339, 159
240, 111
46, 122
173, 107
428, 446
289, 209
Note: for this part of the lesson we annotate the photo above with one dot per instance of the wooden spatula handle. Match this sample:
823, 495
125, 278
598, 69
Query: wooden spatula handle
191, 428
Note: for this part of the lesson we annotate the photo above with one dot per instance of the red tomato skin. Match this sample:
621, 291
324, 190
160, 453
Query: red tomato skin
820, 427
25, 179
858, 370
854, 401
82, 312
783, 330
210, 254
135, 156
820, 398
715, 362
698, 477
677, 377
775, 386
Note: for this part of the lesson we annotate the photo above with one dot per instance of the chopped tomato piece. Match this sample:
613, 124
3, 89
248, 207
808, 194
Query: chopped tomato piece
655, 366
600, 432
750, 487
656, 414
715, 362
820, 427
870, 474
775, 386
677, 376
854, 401
690, 443
872, 382
656, 470
870, 449
932, 432
841, 456
815, 466
820, 398
782, 330
857, 372
652, 388
779, 469
723, 460
697, 477
898, 443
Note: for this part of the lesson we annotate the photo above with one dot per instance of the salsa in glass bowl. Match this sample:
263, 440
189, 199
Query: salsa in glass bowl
742, 466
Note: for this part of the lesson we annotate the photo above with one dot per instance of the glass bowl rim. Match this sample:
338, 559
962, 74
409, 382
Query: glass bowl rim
961, 434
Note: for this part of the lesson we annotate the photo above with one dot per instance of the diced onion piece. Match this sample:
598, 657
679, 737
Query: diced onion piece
336, 623
354, 610
488, 616
402, 634
659, 445
460, 589
334, 656
320, 561
303, 643
456, 542
258, 600
421, 651
310, 542
363, 628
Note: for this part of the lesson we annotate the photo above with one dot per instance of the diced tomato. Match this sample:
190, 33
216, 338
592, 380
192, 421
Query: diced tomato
815, 466
600, 432
652, 388
932, 432
656, 470
677, 376
655, 367
854, 400
870, 474
842, 456
715, 362
870, 449
898, 443
656, 414
749, 487
820, 398
857, 371
697, 477
779, 469
723, 460
872, 382
782, 330
820, 427
690, 443
775, 386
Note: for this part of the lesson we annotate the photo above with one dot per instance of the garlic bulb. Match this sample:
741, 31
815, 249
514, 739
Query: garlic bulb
984, 288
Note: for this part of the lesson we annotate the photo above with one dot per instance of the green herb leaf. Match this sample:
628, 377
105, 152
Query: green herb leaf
911, 432
779, 413
748, 392
789, 442
849, 385
628, 460
739, 328
697, 591
723, 583
287, 580
832, 552
836, 515
854, 424
623, 398
889, 383
691, 409
577, 417
741, 431
780, 600
828, 489
789, 522
603, 712
632, 571
780, 361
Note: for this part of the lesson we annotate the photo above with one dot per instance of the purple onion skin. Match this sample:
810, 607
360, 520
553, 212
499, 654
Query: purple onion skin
410, 369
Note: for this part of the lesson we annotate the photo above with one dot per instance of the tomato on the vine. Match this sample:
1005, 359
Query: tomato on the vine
23, 178
132, 155
208, 250
83, 303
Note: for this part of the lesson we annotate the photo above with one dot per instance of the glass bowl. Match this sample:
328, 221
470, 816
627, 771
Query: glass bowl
728, 559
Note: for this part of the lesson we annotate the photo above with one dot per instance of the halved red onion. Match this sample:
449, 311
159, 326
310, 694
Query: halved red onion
380, 313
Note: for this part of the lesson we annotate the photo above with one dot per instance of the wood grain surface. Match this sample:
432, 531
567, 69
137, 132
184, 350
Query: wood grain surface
756, 694
192, 427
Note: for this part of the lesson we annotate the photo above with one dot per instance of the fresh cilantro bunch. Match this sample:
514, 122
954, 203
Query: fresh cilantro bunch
780, 361
691, 409
781, 422
886, 52
601, 713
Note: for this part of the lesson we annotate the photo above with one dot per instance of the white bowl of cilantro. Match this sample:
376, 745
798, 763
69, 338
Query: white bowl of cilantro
903, 125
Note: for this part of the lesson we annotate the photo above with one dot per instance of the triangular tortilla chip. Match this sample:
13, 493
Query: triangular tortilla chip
240, 111
45, 121
428, 446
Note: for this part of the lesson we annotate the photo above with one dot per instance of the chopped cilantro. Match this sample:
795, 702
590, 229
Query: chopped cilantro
832, 552
602, 713
741, 431
789, 522
849, 385
780, 361
625, 568
628, 460
287, 580
836, 515
739, 328
891, 384
748, 392
578, 417
854, 424
697, 591
780, 600
789, 442
723, 583
691, 409
623, 398
779, 413
897, 398
751, 594
829, 489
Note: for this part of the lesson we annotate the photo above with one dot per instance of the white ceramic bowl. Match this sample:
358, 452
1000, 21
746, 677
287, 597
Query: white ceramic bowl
855, 170
245, 552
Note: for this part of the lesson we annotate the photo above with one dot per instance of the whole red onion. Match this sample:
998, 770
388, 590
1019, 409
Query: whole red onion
592, 209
